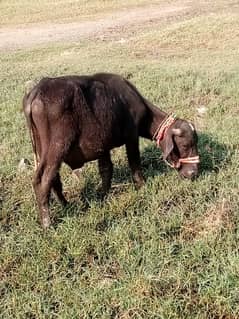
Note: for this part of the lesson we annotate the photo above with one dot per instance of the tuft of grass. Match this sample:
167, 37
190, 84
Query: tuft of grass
169, 250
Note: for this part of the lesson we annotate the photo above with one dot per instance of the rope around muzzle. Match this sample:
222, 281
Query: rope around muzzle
159, 136
190, 160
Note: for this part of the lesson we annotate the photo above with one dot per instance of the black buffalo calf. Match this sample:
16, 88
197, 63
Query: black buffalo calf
76, 119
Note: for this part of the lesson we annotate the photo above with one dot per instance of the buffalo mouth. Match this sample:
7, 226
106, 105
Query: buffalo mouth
189, 174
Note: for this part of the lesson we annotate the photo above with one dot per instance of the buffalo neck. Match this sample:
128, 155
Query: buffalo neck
153, 120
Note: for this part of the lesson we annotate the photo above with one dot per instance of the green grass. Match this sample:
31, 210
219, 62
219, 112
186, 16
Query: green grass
167, 251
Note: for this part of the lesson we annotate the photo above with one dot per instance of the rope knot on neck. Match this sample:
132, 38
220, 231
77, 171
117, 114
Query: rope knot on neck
163, 127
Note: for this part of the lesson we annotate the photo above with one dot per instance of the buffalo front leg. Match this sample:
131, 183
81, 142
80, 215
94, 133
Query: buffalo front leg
132, 149
106, 172
57, 188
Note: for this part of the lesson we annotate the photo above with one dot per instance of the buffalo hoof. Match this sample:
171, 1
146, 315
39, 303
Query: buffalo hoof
46, 222
139, 184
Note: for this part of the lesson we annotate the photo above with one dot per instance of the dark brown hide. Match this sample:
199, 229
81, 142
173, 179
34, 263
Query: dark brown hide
76, 119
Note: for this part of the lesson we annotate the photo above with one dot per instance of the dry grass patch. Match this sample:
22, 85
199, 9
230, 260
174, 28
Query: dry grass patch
131, 314
218, 217
213, 32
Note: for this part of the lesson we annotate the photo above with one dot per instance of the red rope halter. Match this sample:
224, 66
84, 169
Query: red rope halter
159, 136
163, 127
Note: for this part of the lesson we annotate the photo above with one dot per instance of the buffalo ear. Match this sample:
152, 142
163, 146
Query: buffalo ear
167, 146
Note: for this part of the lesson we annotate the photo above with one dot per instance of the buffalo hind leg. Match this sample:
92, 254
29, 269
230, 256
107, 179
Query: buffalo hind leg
106, 172
132, 149
43, 181
57, 188
37, 186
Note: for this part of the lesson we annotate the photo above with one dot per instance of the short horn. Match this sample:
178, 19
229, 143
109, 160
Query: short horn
177, 131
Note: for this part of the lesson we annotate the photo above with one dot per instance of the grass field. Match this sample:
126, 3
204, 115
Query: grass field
169, 250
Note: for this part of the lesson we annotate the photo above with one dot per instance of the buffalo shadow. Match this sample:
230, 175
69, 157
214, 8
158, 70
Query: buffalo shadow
213, 156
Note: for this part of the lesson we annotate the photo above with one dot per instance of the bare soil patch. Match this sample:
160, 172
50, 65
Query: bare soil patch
22, 37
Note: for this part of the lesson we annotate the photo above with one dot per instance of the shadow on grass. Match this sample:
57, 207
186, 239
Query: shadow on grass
151, 162
80, 205
213, 154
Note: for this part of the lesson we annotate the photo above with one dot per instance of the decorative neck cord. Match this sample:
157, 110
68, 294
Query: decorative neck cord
159, 136
163, 127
